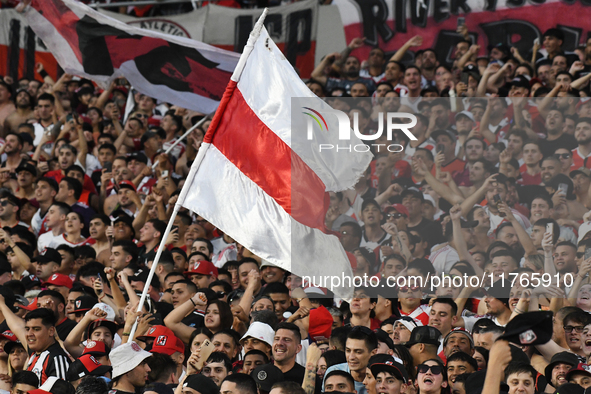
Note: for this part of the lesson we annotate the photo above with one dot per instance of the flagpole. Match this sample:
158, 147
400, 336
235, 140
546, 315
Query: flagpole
182, 137
254, 35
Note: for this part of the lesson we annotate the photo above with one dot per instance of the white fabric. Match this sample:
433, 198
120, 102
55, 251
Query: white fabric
231, 201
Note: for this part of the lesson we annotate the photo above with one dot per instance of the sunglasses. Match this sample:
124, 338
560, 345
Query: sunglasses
220, 294
580, 255
562, 155
394, 215
435, 369
406, 289
5, 203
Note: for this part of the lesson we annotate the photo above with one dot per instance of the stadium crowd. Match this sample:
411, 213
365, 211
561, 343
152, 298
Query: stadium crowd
496, 186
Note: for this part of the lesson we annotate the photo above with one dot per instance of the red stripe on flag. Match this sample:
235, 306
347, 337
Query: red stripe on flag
238, 133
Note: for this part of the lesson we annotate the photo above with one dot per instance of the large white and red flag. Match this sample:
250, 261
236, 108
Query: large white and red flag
176, 70
259, 175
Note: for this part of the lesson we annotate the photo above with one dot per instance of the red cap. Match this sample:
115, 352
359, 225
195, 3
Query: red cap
156, 331
31, 307
202, 267
96, 348
320, 323
167, 344
398, 208
59, 280
9, 335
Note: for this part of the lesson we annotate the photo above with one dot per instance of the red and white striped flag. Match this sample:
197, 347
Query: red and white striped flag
176, 70
260, 179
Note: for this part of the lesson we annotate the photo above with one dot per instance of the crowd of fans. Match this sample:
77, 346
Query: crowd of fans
495, 187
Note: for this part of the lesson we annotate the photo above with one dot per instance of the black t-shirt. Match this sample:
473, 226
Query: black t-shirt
195, 319
63, 329
115, 391
296, 374
565, 141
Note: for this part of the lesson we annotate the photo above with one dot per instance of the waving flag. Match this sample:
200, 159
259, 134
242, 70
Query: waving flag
177, 70
261, 179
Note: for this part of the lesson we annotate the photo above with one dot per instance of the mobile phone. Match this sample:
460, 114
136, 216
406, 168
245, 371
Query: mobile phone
497, 199
174, 228
165, 174
108, 166
587, 253
550, 228
206, 349
563, 187
537, 41
440, 148
465, 78
69, 117
461, 21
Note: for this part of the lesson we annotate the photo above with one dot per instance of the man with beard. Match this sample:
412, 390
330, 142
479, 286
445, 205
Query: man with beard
478, 172
583, 137
550, 168
556, 138
13, 149
349, 71
394, 72
428, 65
559, 366
23, 113
286, 346
412, 81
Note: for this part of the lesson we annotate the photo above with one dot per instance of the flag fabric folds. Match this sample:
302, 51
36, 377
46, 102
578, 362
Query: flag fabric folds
264, 183
86, 43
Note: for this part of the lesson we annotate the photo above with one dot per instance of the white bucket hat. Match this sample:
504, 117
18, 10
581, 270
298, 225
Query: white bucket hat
260, 331
126, 357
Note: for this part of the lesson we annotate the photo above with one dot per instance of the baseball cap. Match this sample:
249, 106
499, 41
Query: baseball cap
467, 114
31, 306
584, 369
321, 322
126, 357
385, 338
25, 166
167, 344
50, 255
519, 81
59, 280
30, 281
398, 208
531, 328
266, 376
202, 384
156, 331
567, 388
96, 348
83, 304
127, 185
409, 322
392, 367
583, 170
424, 334
8, 346
261, 331
111, 325
202, 267
554, 32
54, 385
85, 365
138, 156
439, 132
583, 230
412, 191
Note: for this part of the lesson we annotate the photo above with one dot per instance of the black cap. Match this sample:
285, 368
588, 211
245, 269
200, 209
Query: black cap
391, 366
532, 328
449, 134
26, 136
138, 156
139, 276
413, 191
5, 267
266, 376
384, 337
556, 33
202, 384
560, 358
570, 388
84, 304
520, 81
24, 166
49, 256
84, 366
30, 281
424, 334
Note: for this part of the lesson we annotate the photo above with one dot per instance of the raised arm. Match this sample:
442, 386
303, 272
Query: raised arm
73, 343
318, 73
15, 323
416, 41
173, 320
523, 236
484, 130
475, 198
455, 214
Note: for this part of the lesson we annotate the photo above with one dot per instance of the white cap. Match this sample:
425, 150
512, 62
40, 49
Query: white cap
583, 230
429, 198
107, 309
267, 263
260, 331
126, 357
